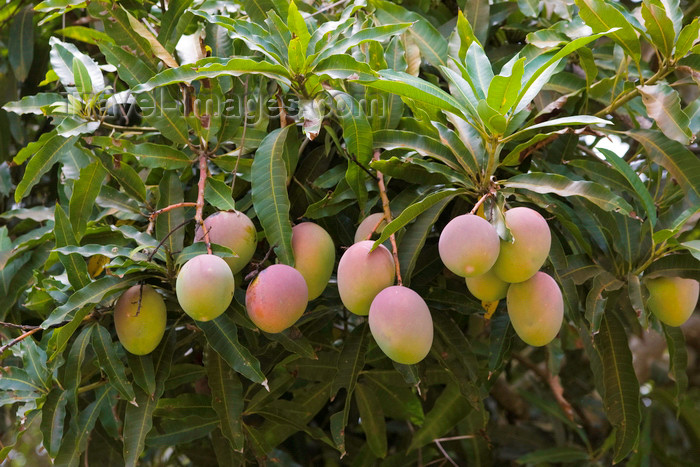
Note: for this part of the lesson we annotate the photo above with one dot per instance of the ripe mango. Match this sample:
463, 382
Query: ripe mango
140, 330
204, 287
314, 256
521, 259
487, 287
536, 309
233, 230
276, 298
400, 322
468, 245
672, 299
362, 275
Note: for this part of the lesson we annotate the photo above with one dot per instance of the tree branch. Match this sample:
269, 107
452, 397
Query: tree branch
387, 216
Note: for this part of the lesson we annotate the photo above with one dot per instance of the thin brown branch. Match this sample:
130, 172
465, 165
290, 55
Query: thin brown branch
444, 453
374, 229
252, 274
162, 242
481, 201
158, 212
19, 339
200, 198
387, 216
367, 171
23, 327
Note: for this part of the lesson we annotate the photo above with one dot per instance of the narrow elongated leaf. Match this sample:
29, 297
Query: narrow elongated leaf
635, 182
450, 407
170, 192
269, 191
17, 379
425, 145
181, 431
125, 175
575, 120
110, 363
674, 157
554, 455
621, 396
218, 194
53, 414
73, 372
553, 183
21, 47
41, 162
142, 371
76, 268
678, 358
372, 419
595, 301
377, 33
85, 191
477, 14
601, 16
76, 440
168, 34
351, 360
222, 335
343, 66
158, 155
414, 210
659, 26
226, 398
676, 265
688, 37
478, 69
503, 90
663, 104
33, 105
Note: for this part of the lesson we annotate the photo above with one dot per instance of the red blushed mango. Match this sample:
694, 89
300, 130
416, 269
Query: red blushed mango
401, 324
140, 330
487, 287
314, 256
468, 245
536, 309
521, 259
362, 275
672, 299
366, 226
204, 287
233, 230
276, 298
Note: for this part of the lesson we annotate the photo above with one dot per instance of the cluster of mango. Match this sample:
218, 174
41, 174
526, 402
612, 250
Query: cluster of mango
495, 269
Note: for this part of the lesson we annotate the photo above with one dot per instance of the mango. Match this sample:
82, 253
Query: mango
204, 287
362, 275
276, 298
140, 330
536, 309
487, 287
468, 245
233, 230
366, 226
672, 299
401, 324
314, 256
520, 260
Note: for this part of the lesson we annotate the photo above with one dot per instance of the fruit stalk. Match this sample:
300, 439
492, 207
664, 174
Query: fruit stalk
387, 216
200, 198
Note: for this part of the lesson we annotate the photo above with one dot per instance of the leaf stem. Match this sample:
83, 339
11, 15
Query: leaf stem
387, 216
200, 197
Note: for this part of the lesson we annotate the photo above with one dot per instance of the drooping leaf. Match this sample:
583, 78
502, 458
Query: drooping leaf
85, 191
227, 399
269, 191
477, 13
372, 416
76, 268
553, 183
218, 194
110, 362
678, 358
351, 360
450, 407
663, 104
170, 192
41, 162
659, 26
21, 47
53, 414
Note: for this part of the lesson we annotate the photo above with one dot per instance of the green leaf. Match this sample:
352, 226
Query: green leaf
91, 294
110, 363
154, 156
181, 431
674, 265
678, 358
269, 191
17, 379
450, 407
170, 25
41, 162
170, 192
21, 47
659, 26
693, 246
601, 16
222, 335
53, 414
558, 184
621, 398
142, 371
343, 66
85, 34
414, 210
127, 177
218, 194
688, 37
76, 268
431, 43
85, 191
351, 360
565, 121
33, 105
82, 78
405, 85
425, 145
478, 69
595, 301
557, 454
74, 365
185, 405
293, 341
76, 440
674, 157
257, 9
477, 13
226, 398
213, 68
635, 182
492, 119
504, 89
372, 416
663, 104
